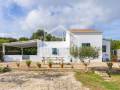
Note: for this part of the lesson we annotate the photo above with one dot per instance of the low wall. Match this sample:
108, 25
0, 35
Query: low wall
12, 57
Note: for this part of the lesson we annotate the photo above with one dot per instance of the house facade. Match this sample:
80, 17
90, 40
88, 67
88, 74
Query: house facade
57, 50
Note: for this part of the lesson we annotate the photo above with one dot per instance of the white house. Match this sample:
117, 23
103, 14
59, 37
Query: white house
57, 50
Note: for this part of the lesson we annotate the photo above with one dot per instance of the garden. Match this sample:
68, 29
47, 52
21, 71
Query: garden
62, 76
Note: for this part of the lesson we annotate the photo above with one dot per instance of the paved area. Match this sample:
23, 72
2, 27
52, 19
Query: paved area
37, 80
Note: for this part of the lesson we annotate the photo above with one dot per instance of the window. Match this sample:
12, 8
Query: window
103, 48
85, 44
54, 51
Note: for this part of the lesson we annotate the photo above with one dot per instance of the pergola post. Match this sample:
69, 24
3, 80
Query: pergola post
3, 49
21, 50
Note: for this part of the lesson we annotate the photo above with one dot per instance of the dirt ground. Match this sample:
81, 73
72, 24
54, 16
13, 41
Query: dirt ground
37, 80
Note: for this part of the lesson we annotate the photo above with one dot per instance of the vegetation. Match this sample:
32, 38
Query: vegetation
4, 69
109, 64
1, 57
42, 35
30, 51
18, 64
85, 54
96, 82
23, 39
38, 64
4, 40
39, 34
28, 63
62, 65
50, 63
115, 44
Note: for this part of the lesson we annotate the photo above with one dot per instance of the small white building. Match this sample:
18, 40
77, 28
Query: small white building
57, 50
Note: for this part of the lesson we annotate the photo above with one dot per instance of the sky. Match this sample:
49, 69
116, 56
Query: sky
20, 18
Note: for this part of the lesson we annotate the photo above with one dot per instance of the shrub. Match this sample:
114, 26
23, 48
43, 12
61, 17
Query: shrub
28, 63
50, 64
1, 58
62, 65
109, 64
18, 64
4, 69
38, 64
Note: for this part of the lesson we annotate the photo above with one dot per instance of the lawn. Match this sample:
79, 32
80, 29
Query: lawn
96, 82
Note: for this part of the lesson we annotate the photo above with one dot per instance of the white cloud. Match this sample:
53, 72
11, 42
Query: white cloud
51, 13
81, 15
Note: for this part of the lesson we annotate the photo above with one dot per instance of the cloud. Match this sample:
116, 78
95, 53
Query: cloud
26, 3
77, 15
33, 14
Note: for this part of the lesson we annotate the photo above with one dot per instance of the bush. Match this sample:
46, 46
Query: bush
1, 58
109, 64
50, 63
18, 64
38, 64
4, 69
28, 63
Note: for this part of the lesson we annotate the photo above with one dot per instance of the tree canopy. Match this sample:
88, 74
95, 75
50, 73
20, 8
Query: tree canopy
42, 35
84, 52
23, 39
115, 44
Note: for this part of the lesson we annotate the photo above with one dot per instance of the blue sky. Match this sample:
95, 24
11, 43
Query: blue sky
20, 18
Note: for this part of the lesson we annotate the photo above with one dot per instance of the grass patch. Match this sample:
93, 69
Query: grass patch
96, 82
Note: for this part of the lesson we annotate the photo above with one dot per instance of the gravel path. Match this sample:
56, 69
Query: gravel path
21, 80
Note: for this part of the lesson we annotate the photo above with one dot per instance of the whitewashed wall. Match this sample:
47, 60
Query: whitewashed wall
13, 57
95, 39
45, 49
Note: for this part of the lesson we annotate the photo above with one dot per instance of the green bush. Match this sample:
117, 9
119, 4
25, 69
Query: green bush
38, 64
50, 63
28, 63
4, 69
1, 58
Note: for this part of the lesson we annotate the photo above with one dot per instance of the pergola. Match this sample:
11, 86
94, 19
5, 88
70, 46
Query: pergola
22, 45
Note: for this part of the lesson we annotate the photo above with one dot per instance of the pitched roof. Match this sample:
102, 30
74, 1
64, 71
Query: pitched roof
84, 31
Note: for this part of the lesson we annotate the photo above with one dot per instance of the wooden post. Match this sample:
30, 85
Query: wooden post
3, 49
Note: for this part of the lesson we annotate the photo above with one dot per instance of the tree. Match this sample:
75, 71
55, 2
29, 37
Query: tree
23, 39
48, 37
115, 44
39, 34
85, 54
42, 35
74, 51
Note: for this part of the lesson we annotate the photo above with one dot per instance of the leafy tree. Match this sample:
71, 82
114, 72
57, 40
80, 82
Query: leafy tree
39, 34
23, 39
74, 51
48, 37
5, 40
85, 54
30, 51
115, 44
